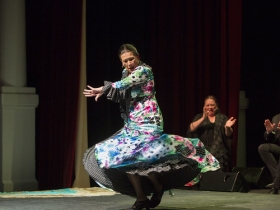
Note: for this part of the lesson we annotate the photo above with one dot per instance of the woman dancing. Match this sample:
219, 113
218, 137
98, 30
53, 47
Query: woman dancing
140, 160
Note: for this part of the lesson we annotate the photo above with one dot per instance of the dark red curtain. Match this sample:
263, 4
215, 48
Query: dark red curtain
196, 51
192, 45
53, 60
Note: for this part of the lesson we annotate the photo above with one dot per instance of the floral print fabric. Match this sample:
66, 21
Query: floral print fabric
141, 145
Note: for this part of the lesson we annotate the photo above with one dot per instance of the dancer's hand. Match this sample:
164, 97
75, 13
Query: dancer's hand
93, 92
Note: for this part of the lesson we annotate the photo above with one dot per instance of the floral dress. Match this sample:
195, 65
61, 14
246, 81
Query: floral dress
141, 146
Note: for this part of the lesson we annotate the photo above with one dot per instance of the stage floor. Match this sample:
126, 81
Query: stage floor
183, 199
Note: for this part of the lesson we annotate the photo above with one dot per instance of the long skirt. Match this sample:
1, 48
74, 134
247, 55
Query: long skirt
177, 165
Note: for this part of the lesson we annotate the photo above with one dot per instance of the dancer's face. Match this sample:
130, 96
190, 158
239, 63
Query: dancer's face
129, 61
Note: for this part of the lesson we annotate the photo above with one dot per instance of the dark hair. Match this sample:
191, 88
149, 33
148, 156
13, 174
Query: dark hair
128, 48
213, 98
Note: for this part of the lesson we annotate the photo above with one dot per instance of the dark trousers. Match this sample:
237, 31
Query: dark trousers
268, 152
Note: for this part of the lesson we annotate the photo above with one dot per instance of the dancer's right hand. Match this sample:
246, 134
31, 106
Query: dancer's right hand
93, 92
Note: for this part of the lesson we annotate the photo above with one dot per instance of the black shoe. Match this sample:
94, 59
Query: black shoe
139, 205
273, 191
156, 198
269, 185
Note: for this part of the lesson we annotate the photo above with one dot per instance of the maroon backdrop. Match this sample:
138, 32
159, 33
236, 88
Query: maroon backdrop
196, 51
53, 61
193, 47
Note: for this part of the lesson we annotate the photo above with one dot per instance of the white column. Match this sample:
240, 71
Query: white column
241, 142
12, 43
17, 103
18, 139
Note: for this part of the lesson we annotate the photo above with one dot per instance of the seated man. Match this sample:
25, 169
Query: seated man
268, 151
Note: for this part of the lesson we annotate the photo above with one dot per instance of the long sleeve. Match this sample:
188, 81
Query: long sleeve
138, 76
123, 97
115, 94
112, 93
131, 86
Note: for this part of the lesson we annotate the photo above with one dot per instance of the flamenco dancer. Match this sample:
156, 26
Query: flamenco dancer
140, 159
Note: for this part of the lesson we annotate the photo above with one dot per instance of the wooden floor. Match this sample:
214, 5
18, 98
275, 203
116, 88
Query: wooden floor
183, 199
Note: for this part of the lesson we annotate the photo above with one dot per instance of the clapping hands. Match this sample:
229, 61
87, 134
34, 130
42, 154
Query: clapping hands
269, 126
230, 122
